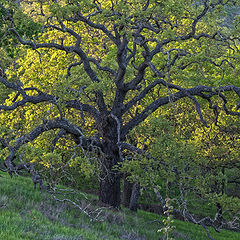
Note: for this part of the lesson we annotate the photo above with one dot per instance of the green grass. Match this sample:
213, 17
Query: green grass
28, 214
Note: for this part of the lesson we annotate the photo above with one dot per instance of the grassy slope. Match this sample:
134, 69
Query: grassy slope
27, 214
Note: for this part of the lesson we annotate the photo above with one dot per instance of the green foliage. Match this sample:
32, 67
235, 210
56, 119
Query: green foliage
24, 25
189, 161
85, 167
168, 152
26, 214
168, 222
182, 150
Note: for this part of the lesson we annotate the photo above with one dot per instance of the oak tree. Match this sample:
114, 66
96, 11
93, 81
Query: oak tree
112, 64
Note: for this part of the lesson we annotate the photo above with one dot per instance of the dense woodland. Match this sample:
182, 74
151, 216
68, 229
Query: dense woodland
136, 101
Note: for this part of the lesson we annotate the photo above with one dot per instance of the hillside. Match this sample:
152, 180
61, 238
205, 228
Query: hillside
26, 214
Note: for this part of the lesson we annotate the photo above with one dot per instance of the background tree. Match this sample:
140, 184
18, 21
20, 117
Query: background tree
117, 63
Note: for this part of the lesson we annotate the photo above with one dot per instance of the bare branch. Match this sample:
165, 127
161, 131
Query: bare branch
182, 93
41, 97
76, 104
67, 49
80, 17
106, 69
46, 126
72, 65
60, 134
131, 148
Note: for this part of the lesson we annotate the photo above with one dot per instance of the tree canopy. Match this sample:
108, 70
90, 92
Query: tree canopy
79, 77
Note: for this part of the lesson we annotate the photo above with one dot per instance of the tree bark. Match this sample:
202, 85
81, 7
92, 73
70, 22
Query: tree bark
110, 191
134, 197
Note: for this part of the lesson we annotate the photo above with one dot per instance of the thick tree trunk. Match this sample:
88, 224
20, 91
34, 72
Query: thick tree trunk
110, 192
